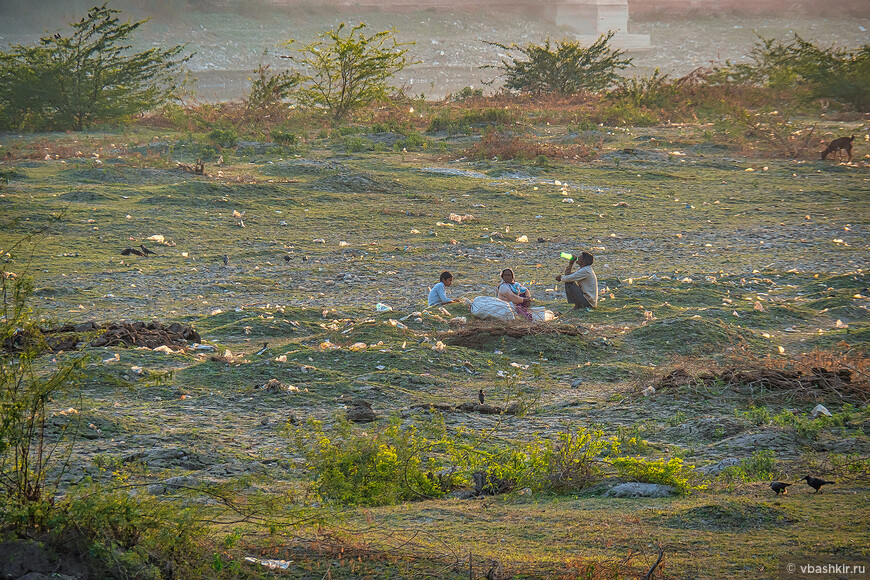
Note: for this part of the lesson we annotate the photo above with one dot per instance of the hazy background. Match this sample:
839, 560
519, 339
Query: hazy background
231, 38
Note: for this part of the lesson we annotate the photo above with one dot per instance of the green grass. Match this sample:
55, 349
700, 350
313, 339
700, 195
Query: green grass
684, 277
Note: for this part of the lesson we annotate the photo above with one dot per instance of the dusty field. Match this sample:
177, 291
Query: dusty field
706, 260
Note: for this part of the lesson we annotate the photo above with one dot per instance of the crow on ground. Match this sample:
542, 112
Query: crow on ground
131, 252
816, 483
779, 487
146, 251
480, 396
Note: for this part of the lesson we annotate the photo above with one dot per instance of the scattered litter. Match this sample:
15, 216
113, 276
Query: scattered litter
281, 359
458, 320
158, 238
841, 324
397, 324
523, 239
781, 350
342, 244
820, 410
380, 367
568, 200
270, 564
318, 241
649, 391
164, 349
460, 218
381, 307
439, 347
443, 311
115, 358
357, 346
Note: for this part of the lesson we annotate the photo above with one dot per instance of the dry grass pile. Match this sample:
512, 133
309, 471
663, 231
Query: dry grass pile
814, 376
506, 146
471, 334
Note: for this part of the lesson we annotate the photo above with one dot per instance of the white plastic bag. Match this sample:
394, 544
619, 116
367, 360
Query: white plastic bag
541, 314
486, 307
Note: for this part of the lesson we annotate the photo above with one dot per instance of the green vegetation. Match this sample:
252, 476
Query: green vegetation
821, 72
87, 77
568, 67
350, 69
732, 268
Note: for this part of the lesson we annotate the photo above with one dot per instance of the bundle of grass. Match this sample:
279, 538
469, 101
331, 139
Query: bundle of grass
814, 376
471, 334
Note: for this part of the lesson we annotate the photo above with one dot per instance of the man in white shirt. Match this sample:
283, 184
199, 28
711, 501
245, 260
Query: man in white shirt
581, 287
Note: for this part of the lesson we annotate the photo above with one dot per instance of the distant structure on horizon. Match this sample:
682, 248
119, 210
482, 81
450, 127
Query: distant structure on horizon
588, 19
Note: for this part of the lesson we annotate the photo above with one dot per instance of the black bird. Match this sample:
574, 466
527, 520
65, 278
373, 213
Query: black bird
131, 252
226, 260
480, 396
304, 258
287, 258
816, 483
779, 487
146, 251
262, 350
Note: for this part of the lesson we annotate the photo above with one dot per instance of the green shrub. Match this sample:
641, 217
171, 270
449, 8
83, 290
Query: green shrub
382, 467
760, 466
355, 144
223, 137
568, 67
799, 66
464, 94
757, 415
445, 120
283, 137
662, 471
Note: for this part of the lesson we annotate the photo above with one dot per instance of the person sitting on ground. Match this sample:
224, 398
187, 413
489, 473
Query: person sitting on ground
581, 287
438, 294
509, 291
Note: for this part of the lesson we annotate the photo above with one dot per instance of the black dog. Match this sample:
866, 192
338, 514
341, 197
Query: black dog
843, 143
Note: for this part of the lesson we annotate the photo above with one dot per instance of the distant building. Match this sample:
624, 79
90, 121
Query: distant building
588, 19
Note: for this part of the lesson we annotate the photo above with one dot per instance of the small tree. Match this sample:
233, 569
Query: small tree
26, 449
822, 72
567, 68
349, 69
68, 82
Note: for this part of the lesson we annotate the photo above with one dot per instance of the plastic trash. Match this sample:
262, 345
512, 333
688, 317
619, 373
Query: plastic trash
381, 307
270, 564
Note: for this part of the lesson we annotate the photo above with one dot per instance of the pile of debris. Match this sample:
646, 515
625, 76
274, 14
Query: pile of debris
471, 334
149, 335
815, 384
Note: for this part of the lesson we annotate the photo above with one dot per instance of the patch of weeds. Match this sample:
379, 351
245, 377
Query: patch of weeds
672, 472
630, 440
756, 415
378, 466
760, 466
676, 419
